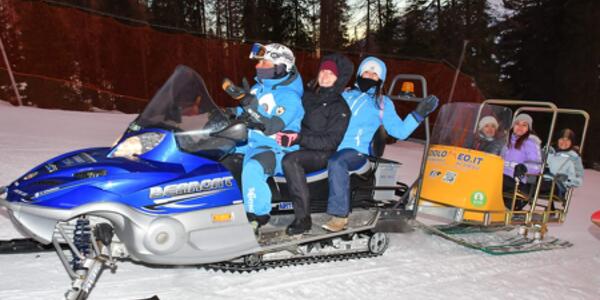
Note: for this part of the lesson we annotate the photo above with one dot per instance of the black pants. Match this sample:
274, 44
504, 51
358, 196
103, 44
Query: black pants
295, 166
508, 187
559, 189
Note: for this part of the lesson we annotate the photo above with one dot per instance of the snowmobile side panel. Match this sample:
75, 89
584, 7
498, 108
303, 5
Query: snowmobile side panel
196, 237
35, 221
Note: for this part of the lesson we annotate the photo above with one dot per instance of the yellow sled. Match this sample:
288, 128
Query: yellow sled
459, 176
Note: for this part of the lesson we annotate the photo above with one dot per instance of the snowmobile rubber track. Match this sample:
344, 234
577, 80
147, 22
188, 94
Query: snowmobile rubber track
24, 245
241, 267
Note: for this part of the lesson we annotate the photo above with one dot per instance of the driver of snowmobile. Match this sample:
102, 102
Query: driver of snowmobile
273, 104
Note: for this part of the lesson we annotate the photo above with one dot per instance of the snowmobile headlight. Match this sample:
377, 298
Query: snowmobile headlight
138, 145
30, 175
90, 174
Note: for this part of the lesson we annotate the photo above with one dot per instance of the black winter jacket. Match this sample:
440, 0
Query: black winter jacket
326, 114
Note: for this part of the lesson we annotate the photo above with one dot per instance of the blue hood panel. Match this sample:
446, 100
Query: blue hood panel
84, 176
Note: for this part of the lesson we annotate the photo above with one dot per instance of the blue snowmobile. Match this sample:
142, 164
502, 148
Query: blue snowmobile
162, 196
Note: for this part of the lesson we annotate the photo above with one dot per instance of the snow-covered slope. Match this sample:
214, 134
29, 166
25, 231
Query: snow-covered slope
416, 266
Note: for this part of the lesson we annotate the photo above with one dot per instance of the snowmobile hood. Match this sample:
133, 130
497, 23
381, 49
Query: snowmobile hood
141, 184
87, 167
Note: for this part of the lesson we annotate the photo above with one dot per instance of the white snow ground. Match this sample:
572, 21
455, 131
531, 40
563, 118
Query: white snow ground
416, 266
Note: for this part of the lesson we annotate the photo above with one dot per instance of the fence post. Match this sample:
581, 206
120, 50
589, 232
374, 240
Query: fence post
10, 74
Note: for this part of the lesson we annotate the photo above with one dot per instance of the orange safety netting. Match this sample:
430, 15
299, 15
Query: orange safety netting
72, 59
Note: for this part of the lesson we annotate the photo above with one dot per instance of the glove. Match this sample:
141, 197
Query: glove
287, 138
425, 107
520, 170
238, 93
235, 91
560, 177
230, 113
250, 122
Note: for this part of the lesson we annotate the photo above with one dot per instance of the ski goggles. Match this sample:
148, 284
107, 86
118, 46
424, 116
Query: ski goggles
258, 51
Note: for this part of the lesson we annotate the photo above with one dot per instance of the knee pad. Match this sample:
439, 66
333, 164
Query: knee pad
267, 161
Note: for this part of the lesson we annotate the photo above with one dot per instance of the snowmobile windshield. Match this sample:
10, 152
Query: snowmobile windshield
467, 125
184, 106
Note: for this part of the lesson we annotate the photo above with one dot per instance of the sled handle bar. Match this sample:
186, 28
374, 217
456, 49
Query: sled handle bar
423, 81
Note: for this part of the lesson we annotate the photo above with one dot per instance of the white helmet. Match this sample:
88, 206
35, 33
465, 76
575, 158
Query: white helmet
276, 53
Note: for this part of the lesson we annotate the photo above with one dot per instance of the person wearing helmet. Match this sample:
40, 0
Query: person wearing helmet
272, 105
325, 121
369, 110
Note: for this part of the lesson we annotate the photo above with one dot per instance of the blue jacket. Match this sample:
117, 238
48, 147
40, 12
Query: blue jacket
568, 163
367, 115
278, 98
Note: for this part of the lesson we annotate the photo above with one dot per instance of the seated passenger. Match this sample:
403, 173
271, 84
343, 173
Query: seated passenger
564, 165
370, 109
487, 139
521, 156
326, 117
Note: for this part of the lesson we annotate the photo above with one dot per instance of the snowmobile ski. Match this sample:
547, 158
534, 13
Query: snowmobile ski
23, 245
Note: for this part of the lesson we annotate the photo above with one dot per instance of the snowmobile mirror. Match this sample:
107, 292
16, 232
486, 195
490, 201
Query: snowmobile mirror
236, 131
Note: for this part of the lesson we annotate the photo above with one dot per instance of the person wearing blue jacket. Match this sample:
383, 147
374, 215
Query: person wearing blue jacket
272, 105
564, 165
369, 110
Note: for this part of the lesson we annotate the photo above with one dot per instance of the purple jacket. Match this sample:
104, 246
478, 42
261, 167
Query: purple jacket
529, 155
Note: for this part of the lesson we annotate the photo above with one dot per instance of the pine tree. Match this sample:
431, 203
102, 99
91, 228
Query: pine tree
168, 13
388, 36
333, 24
547, 54
438, 28
528, 48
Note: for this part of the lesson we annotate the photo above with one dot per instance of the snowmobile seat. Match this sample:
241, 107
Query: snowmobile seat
376, 151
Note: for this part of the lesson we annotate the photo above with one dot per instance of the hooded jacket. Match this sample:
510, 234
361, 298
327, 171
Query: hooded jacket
529, 154
369, 112
326, 114
277, 99
568, 163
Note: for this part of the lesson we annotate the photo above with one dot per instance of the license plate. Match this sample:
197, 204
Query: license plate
286, 206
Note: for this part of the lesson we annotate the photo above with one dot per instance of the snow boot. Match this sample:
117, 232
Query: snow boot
299, 226
257, 221
336, 224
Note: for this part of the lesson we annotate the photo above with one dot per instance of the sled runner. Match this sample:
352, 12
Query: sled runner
462, 184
